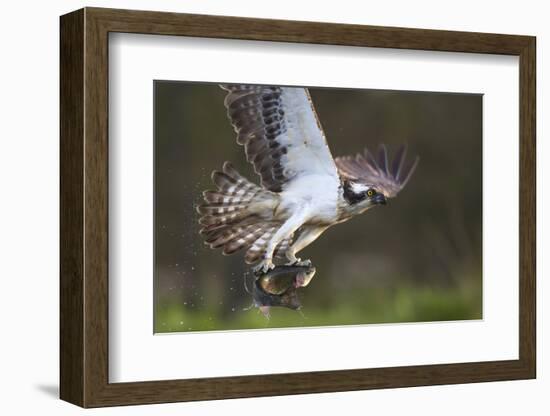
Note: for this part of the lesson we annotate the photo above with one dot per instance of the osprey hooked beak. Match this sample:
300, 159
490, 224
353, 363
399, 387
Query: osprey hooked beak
379, 199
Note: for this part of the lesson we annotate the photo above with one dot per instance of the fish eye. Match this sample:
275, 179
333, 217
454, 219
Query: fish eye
371, 192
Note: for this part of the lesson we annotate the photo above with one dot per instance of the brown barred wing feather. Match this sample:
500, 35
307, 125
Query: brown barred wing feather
280, 132
231, 215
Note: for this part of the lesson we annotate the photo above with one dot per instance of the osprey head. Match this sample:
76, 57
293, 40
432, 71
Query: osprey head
361, 196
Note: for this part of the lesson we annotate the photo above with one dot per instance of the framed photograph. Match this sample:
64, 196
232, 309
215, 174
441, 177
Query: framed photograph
262, 207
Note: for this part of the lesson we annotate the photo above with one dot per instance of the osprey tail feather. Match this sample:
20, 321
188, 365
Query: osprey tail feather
237, 214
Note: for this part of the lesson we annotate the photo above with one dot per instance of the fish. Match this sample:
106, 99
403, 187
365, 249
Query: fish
282, 278
278, 287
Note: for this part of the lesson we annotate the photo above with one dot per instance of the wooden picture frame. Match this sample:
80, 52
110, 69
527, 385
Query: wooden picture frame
84, 207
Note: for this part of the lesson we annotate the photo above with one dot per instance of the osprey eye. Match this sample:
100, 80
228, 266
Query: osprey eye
370, 193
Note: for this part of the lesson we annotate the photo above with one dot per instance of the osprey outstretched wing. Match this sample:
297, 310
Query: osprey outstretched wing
303, 189
280, 131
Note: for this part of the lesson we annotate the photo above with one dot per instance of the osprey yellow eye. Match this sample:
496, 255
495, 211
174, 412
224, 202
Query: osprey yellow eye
370, 193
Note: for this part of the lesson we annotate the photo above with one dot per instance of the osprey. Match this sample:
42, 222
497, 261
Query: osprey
304, 190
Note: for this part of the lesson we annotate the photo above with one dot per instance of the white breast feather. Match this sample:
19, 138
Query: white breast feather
318, 192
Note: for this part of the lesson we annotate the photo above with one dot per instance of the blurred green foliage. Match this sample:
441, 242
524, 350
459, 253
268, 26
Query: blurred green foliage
417, 259
382, 305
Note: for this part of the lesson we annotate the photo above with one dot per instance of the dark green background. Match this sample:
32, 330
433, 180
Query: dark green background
416, 259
